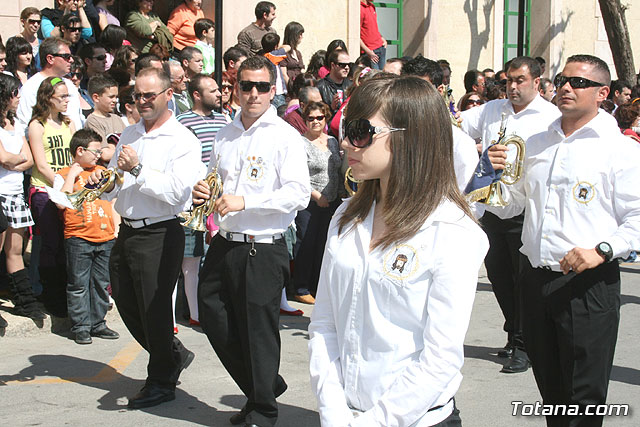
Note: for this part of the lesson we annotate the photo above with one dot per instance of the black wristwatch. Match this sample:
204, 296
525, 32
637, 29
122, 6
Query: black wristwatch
135, 171
605, 251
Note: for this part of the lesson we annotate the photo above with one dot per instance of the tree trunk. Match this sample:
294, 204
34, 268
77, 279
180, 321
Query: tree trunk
616, 26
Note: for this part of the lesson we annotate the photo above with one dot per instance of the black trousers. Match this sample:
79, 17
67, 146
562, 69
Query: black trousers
570, 331
144, 266
312, 225
504, 271
239, 305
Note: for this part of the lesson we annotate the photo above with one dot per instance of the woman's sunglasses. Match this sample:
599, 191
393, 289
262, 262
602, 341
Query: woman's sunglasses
15, 93
360, 132
313, 118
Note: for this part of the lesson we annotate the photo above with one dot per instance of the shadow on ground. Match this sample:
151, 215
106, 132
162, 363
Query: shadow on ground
102, 376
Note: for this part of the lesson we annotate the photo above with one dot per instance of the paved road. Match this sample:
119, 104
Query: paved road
46, 379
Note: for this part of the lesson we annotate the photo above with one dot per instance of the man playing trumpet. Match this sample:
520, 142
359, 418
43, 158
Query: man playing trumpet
161, 161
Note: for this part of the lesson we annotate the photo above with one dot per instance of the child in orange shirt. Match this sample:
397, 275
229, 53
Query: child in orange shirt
89, 236
275, 53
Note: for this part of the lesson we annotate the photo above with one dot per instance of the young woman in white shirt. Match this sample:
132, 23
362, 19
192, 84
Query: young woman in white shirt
394, 298
15, 158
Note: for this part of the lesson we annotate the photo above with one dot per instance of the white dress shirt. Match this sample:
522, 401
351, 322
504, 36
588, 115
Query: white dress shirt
465, 157
577, 191
484, 121
171, 166
28, 95
267, 165
388, 326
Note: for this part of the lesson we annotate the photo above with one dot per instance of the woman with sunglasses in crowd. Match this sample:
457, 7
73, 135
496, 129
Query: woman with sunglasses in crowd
323, 160
394, 300
19, 59
15, 158
30, 19
470, 100
76, 75
50, 132
230, 100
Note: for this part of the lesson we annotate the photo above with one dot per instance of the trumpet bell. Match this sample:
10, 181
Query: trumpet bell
195, 220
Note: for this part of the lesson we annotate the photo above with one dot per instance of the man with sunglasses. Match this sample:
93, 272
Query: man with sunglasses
70, 30
526, 113
94, 57
161, 162
263, 166
56, 59
335, 84
582, 212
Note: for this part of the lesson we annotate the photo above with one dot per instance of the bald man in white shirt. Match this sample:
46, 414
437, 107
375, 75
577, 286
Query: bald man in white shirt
582, 212
263, 166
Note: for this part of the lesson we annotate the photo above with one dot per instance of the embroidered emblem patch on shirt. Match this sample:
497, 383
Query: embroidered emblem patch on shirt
401, 262
584, 192
255, 170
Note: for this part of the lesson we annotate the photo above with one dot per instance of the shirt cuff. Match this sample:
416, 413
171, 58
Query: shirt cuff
142, 176
619, 246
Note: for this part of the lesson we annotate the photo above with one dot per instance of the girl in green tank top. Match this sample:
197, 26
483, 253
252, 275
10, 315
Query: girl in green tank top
50, 132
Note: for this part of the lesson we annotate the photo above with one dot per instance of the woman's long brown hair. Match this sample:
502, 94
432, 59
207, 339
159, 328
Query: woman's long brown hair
42, 107
422, 174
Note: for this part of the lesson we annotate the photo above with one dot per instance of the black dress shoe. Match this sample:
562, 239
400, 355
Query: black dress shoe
518, 363
506, 351
3, 323
83, 337
186, 359
238, 418
106, 333
151, 395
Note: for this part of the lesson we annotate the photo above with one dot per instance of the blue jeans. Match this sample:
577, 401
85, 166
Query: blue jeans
87, 281
382, 57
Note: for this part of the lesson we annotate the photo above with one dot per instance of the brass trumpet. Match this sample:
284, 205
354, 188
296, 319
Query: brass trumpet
350, 183
512, 171
196, 217
91, 192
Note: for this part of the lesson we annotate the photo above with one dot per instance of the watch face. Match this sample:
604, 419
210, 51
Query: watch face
604, 247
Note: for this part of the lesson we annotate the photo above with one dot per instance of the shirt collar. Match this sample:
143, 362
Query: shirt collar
447, 211
167, 128
603, 124
269, 117
533, 107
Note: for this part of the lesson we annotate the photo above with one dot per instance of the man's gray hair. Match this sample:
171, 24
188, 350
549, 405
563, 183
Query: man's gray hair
305, 92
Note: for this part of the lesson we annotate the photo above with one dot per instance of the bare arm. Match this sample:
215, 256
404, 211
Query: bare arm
37, 150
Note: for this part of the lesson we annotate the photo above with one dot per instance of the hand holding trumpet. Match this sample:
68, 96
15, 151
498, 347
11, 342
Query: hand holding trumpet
223, 205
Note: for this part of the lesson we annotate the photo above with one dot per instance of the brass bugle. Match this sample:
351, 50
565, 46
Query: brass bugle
350, 183
91, 192
196, 218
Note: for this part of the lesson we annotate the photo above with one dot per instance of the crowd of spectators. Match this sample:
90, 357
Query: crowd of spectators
87, 56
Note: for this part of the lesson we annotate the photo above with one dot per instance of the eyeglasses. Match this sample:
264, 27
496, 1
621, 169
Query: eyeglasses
575, 82
226, 87
147, 96
633, 102
33, 21
73, 29
262, 87
74, 75
360, 132
313, 118
66, 56
476, 101
96, 153
100, 57
343, 64
15, 93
